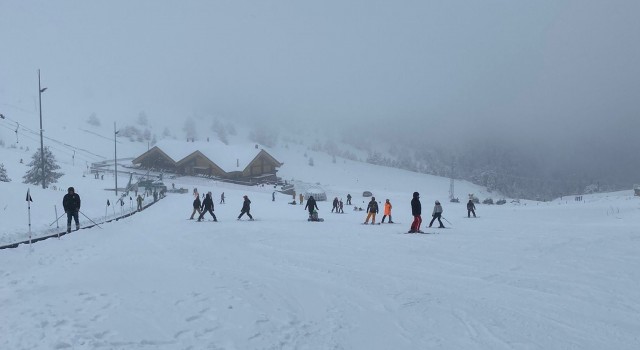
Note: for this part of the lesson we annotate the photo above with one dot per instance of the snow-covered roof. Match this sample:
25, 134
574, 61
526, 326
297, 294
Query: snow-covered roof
228, 157
175, 149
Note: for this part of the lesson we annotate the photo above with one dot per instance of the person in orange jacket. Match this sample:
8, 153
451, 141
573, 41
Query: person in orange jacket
387, 211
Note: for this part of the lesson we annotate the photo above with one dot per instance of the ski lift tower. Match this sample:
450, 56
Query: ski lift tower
452, 197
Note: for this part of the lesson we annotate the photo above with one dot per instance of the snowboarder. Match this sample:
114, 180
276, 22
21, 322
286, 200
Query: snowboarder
387, 211
207, 207
222, 198
372, 210
348, 199
335, 205
437, 214
313, 216
311, 205
416, 211
471, 209
139, 199
196, 207
71, 205
246, 207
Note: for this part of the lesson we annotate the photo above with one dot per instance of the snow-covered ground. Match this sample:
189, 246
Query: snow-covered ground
555, 275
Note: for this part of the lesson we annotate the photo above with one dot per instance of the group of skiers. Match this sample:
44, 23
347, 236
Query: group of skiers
206, 206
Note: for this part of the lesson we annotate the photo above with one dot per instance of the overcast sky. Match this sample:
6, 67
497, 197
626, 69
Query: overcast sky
558, 75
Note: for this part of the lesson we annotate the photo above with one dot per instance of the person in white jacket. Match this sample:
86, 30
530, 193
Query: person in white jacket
437, 214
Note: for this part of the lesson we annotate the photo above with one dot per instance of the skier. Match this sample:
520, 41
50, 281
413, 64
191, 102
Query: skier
416, 211
437, 213
348, 199
341, 206
372, 210
335, 205
387, 211
273, 196
139, 199
311, 205
196, 207
155, 195
207, 207
222, 198
71, 205
246, 207
471, 209
301, 198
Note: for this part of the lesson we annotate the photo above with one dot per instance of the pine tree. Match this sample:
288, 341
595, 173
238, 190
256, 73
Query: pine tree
3, 174
34, 175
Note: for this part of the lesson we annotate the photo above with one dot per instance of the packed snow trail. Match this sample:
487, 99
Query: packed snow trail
158, 281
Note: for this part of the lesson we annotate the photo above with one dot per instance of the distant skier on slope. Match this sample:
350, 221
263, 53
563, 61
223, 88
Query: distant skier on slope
416, 211
372, 210
387, 211
437, 214
311, 205
207, 207
246, 208
196, 207
335, 205
222, 198
348, 199
471, 209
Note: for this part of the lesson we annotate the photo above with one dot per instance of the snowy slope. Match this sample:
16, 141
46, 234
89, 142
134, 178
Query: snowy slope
554, 275
546, 276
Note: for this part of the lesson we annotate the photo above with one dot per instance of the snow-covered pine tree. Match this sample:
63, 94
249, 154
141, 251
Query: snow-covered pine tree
34, 175
3, 174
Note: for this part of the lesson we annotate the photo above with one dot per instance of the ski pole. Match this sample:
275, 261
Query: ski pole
447, 220
56, 220
90, 219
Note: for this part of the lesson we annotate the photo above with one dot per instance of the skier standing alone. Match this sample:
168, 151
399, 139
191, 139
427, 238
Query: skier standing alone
372, 210
471, 209
246, 208
437, 213
71, 205
416, 211
207, 207
387, 211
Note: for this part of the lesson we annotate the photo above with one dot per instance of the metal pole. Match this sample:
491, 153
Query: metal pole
56, 210
41, 140
115, 154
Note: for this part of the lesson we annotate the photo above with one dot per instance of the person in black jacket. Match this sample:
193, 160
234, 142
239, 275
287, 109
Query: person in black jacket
196, 207
416, 211
207, 207
471, 208
311, 205
348, 199
71, 205
246, 207
335, 205
372, 210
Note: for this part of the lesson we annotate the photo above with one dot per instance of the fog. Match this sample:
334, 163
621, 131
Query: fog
552, 80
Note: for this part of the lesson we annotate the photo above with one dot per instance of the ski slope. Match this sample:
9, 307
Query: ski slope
555, 275
536, 276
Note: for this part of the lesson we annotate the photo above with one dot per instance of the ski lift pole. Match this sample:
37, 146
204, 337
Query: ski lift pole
90, 219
